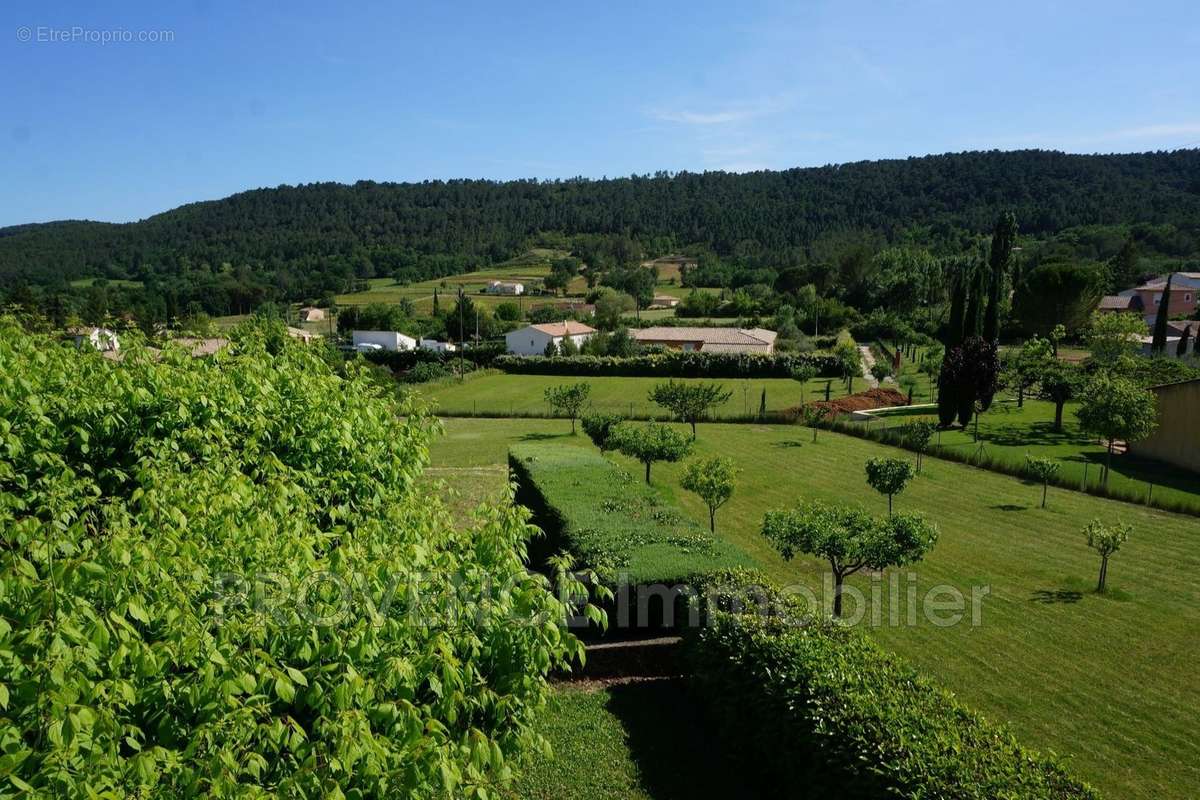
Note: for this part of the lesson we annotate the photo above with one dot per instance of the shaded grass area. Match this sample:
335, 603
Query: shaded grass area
635, 741
1008, 433
1111, 683
499, 394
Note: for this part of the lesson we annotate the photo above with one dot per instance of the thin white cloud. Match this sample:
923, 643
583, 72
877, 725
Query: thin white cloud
741, 112
700, 117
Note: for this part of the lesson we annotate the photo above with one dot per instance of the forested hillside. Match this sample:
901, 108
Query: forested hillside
307, 241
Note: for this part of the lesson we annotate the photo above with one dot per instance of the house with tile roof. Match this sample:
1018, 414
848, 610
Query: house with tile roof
532, 340
708, 340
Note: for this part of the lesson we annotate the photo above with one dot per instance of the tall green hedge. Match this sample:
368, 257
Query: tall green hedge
816, 708
611, 522
674, 364
208, 573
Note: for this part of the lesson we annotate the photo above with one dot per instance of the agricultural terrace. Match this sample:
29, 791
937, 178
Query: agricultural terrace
1120, 712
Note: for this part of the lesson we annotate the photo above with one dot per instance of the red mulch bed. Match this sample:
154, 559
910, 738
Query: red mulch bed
863, 401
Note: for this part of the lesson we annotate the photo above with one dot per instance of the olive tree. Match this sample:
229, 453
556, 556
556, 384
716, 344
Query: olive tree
568, 399
848, 538
1116, 409
599, 428
1105, 540
689, 402
1043, 471
889, 476
712, 480
650, 443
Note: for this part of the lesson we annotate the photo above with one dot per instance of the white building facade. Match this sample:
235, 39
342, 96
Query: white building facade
532, 340
388, 340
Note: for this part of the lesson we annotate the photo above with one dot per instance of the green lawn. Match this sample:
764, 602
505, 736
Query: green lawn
499, 394
635, 741
1009, 433
1110, 683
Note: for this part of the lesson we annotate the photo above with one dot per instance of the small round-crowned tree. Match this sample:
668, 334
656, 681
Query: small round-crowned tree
712, 479
889, 476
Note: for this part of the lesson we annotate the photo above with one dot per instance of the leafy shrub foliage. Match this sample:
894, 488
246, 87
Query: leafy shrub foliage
146, 503
673, 364
612, 523
814, 707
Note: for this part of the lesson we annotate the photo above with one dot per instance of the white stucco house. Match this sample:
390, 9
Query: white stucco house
504, 287
532, 340
388, 340
436, 346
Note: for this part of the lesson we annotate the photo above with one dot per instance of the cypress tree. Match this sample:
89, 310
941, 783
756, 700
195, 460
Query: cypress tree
1181, 349
1003, 238
1159, 343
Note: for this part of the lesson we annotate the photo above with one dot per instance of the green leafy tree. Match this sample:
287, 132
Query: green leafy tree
849, 538
917, 435
599, 428
1024, 368
802, 374
1058, 382
1113, 336
1106, 540
650, 443
813, 416
889, 476
611, 305
689, 402
1056, 336
880, 371
568, 399
175, 535
1116, 409
1043, 471
712, 479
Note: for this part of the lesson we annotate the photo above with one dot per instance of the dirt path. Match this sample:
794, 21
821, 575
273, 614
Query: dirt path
868, 361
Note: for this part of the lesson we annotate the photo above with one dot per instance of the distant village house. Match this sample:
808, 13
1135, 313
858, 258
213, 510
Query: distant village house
533, 340
708, 340
504, 287
312, 314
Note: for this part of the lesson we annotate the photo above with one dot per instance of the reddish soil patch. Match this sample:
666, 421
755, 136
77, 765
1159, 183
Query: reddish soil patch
863, 401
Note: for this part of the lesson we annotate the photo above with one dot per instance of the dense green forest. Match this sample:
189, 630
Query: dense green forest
308, 242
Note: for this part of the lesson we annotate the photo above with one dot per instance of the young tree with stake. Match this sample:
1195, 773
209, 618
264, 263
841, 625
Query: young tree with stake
1043, 471
813, 417
1105, 540
802, 375
712, 480
568, 399
848, 538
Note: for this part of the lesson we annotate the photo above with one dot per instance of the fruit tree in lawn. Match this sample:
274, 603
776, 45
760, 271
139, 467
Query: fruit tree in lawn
568, 400
1115, 409
689, 402
1105, 540
849, 538
889, 476
712, 480
650, 443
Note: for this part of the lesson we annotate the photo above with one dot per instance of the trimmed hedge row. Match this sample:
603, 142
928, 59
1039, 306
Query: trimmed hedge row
611, 522
672, 364
811, 704
401, 360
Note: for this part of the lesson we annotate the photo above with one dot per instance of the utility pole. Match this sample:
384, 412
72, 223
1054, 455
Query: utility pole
462, 366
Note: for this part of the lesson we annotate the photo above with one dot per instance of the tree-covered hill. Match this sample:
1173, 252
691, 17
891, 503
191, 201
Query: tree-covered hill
295, 241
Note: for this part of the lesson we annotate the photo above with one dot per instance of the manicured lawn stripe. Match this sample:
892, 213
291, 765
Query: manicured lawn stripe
1112, 683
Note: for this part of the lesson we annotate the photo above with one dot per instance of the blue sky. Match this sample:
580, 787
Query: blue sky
258, 94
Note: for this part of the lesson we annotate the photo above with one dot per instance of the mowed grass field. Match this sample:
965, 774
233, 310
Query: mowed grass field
1110, 683
1009, 433
499, 394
